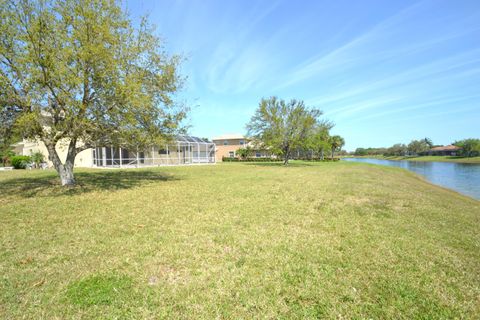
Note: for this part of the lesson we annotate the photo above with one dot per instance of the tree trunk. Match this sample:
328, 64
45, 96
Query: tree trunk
333, 150
66, 173
65, 170
286, 153
287, 157
321, 154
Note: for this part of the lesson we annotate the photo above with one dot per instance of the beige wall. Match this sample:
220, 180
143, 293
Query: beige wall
83, 159
223, 149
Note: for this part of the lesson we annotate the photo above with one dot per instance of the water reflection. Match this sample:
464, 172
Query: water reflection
461, 177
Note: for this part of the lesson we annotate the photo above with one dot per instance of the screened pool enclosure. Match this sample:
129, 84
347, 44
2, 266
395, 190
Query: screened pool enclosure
184, 150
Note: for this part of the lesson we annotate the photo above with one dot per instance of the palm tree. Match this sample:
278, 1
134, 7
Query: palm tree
336, 142
429, 142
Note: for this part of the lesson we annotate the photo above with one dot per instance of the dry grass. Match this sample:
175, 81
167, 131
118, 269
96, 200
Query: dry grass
334, 240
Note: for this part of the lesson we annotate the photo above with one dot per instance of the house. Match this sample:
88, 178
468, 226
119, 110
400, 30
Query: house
449, 150
28, 147
227, 146
183, 150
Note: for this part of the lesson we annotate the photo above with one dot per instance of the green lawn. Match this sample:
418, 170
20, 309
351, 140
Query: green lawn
335, 240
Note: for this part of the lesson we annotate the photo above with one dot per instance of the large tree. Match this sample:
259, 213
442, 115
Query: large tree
78, 73
7, 136
319, 141
283, 126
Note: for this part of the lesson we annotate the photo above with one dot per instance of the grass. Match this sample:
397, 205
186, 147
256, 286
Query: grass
457, 159
312, 240
100, 290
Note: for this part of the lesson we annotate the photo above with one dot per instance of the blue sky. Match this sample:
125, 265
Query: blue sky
383, 71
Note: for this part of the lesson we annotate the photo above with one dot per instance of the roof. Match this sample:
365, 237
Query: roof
18, 144
446, 148
184, 138
229, 136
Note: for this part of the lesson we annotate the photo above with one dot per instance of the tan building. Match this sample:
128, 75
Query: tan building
183, 150
228, 144
27, 148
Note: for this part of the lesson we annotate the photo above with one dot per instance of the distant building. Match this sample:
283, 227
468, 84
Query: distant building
449, 150
227, 146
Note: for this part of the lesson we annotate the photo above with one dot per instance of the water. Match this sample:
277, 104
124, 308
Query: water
461, 177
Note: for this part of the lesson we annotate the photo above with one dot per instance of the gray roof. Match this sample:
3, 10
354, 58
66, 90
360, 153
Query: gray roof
192, 139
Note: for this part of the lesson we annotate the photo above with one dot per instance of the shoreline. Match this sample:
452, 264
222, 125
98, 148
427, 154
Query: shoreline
452, 159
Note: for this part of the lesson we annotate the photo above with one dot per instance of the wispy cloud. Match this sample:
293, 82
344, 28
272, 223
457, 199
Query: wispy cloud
434, 71
403, 107
377, 45
362, 63
238, 62
345, 53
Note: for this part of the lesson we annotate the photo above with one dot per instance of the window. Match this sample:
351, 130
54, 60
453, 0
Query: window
242, 142
258, 155
225, 143
163, 151
231, 154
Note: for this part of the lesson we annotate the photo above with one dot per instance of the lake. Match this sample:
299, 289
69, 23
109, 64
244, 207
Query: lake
461, 177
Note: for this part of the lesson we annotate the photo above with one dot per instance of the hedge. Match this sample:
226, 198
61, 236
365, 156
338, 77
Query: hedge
20, 162
228, 159
326, 159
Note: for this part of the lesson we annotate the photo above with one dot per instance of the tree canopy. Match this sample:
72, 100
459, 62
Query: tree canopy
417, 147
79, 73
319, 141
469, 146
282, 126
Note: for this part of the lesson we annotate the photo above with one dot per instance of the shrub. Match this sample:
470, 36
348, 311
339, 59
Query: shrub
228, 159
325, 159
6, 157
20, 162
37, 158
244, 153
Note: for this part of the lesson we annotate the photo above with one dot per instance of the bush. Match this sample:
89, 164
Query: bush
325, 159
20, 162
228, 159
6, 157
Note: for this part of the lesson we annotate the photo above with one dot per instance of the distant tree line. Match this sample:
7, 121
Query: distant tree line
469, 148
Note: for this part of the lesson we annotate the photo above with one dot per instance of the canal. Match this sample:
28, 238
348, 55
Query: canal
461, 177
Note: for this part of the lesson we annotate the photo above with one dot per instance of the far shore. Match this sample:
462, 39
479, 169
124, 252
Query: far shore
456, 159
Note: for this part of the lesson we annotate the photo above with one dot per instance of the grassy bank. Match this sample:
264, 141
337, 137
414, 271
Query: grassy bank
334, 240
439, 158
428, 158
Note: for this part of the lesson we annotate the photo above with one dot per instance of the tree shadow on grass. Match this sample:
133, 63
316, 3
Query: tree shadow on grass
49, 185
280, 164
